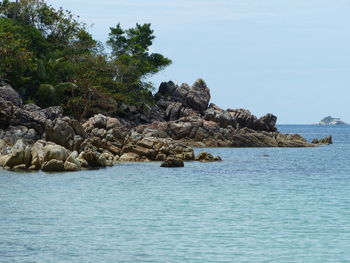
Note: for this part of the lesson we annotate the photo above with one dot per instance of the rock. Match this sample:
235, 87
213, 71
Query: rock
6, 112
207, 157
199, 96
53, 112
172, 112
3, 147
9, 94
142, 151
37, 155
61, 132
129, 157
223, 118
32, 108
107, 158
31, 120
53, 166
243, 117
113, 123
92, 158
14, 133
172, 162
54, 151
116, 159
98, 121
266, 123
50, 113
166, 89
20, 167
71, 167
17, 156
72, 163
326, 140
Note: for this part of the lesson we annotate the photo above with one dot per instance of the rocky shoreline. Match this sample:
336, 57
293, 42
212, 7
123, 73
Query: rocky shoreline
32, 138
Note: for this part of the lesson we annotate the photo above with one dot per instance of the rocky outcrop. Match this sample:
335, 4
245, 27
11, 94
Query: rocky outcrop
32, 138
326, 140
144, 148
196, 132
184, 100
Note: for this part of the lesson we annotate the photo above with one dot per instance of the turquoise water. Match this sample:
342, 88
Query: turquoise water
258, 205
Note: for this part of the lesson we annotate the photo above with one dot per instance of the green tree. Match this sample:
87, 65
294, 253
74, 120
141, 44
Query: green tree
50, 58
131, 57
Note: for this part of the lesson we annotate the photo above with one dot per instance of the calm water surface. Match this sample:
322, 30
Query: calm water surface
258, 205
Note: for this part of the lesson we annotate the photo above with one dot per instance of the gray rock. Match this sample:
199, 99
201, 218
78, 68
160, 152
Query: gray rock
198, 96
9, 94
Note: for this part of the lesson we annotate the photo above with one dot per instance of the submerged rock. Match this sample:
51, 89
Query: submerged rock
207, 157
172, 162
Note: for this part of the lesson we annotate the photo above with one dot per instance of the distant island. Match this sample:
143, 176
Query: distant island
329, 120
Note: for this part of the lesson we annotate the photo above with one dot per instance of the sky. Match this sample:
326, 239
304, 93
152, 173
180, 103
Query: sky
286, 57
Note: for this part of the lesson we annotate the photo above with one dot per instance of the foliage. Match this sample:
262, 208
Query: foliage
50, 58
130, 55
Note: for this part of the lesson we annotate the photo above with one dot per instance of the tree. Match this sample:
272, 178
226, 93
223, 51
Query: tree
131, 57
16, 63
50, 58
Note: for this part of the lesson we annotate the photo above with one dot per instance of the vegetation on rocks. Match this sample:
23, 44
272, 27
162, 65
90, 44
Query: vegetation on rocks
50, 58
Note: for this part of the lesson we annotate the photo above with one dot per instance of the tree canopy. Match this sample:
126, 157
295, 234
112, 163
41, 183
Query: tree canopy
49, 56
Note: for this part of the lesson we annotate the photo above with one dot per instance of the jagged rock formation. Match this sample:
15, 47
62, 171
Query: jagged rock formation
326, 140
32, 138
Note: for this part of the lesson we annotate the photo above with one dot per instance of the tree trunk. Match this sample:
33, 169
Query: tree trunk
16, 11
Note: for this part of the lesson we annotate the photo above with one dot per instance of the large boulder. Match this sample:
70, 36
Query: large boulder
266, 123
92, 159
62, 131
54, 151
20, 155
222, 117
9, 94
166, 89
72, 163
32, 120
243, 117
198, 96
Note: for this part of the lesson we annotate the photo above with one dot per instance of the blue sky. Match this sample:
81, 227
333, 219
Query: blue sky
287, 57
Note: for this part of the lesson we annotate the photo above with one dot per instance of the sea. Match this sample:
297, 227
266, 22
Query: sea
257, 205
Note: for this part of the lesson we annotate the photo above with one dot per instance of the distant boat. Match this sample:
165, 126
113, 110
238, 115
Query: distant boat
329, 120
